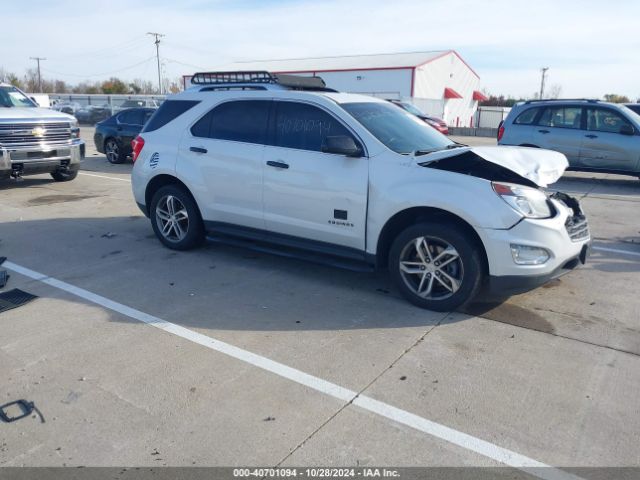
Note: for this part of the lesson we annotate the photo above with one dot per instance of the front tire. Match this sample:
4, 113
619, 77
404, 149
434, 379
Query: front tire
175, 218
64, 176
436, 266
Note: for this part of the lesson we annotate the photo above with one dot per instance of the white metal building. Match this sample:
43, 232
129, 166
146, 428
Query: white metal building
440, 83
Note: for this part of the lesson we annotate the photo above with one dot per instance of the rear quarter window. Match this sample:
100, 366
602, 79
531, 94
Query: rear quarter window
168, 111
238, 121
527, 117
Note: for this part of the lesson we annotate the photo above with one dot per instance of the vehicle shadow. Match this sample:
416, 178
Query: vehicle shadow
25, 182
217, 287
98, 163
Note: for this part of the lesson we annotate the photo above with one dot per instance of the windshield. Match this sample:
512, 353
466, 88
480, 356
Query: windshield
412, 109
397, 129
634, 114
12, 97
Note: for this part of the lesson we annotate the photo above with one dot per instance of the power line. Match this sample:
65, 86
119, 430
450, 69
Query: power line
84, 75
157, 42
38, 59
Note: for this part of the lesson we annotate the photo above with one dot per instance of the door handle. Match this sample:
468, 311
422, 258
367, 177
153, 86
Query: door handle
198, 149
543, 131
278, 164
591, 136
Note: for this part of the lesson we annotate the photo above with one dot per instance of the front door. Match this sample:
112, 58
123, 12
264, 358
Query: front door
309, 194
604, 147
559, 129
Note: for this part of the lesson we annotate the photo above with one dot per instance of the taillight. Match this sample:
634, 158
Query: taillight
136, 145
500, 131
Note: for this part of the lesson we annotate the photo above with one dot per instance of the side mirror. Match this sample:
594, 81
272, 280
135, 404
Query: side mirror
341, 145
33, 99
627, 129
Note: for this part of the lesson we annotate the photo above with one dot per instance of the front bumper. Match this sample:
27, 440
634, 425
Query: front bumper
515, 284
567, 245
40, 159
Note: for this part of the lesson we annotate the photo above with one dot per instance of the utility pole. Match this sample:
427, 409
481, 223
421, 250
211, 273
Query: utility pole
157, 37
38, 59
544, 74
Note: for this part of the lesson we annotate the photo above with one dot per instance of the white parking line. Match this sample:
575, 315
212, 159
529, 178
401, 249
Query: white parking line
461, 439
104, 176
617, 250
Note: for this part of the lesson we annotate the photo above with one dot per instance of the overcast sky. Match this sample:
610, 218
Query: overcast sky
591, 47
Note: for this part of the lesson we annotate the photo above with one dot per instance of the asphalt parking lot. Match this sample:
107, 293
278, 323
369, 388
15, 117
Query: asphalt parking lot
262, 360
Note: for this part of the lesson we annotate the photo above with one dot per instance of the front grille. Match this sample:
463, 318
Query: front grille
577, 228
34, 134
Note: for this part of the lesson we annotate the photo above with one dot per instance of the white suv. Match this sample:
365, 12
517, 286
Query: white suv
281, 163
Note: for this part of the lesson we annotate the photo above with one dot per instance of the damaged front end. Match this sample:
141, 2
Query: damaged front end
552, 236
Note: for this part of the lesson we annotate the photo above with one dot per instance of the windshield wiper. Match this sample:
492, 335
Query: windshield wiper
455, 145
417, 153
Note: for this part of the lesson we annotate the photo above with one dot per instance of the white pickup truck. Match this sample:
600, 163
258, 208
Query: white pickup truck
36, 140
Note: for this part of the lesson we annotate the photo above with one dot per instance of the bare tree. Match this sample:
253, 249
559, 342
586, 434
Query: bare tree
555, 91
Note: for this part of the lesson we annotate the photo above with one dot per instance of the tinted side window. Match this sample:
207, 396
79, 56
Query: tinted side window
132, 117
304, 127
527, 117
239, 121
169, 110
563, 117
605, 120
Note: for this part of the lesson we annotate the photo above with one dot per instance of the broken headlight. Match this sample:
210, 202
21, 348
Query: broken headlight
530, 202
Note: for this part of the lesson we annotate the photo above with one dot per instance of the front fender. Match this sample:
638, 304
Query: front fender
471, 199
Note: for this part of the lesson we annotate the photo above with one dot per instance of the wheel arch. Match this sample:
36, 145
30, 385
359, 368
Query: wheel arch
410, 216
162, 180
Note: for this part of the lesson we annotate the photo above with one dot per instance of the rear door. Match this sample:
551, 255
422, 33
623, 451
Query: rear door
307, 193
559, 128
604, 147
129, 124
220, 157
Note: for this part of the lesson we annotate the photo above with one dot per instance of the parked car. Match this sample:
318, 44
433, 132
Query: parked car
595, 136
437, 123
36, 140
92, 114
67, 107
354, 180
139, 103
634, 107
113, 136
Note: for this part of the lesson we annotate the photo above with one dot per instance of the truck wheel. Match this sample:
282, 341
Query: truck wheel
64, 176
175, 218
435, 266
113, 151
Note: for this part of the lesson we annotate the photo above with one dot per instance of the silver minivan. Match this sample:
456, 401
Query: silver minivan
595, 136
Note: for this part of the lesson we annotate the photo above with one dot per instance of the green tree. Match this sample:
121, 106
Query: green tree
114, 86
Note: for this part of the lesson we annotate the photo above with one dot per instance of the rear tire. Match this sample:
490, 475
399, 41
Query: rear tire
113, 151
64, 176
436, 266
175, 218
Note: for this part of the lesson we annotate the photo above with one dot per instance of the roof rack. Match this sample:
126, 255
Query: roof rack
294, 82
590, 100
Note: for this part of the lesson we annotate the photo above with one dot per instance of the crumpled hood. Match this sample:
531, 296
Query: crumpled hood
36, 114
542, 167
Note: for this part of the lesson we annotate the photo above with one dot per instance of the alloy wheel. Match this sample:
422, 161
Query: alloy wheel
112, 151
431, 268
172, 218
